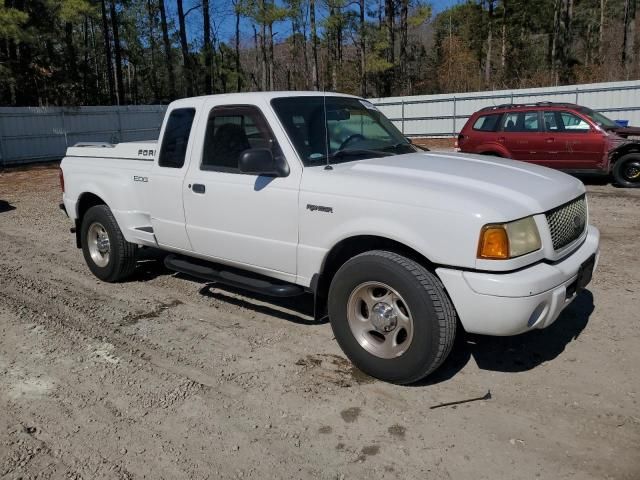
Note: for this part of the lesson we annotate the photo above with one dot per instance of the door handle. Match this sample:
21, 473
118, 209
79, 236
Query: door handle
501, 139
198, 188
550, 139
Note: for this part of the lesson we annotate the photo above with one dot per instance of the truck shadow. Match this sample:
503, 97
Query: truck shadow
6, 206
293, 309
591, 179
522, 352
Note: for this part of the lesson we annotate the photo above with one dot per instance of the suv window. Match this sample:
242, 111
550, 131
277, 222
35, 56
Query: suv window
176, 138
573, 123
521, 122
557, 121
488, 123
231, 131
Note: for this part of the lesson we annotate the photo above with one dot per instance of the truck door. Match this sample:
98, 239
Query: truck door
235, 217
167, 211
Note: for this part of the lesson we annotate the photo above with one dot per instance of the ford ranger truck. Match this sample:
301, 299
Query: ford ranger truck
296, 192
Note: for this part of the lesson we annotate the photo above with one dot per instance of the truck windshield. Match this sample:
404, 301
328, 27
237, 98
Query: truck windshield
598, 118
346, 129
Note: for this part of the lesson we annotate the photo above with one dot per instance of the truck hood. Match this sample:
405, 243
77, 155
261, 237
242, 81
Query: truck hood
493, 188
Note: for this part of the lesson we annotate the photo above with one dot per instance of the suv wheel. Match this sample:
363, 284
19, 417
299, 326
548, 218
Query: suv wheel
626, 171
391, 316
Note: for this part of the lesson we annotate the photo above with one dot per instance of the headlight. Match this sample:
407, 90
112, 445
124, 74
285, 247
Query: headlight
502, 241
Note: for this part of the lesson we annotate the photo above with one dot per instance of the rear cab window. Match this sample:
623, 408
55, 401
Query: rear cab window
487, 123
176, 138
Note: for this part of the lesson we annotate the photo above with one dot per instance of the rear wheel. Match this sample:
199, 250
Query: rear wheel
626, 171
108, 255
391, 316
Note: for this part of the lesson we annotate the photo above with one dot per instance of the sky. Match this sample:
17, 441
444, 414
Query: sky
223, 19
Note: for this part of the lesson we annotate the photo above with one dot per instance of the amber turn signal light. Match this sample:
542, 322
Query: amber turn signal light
494, 243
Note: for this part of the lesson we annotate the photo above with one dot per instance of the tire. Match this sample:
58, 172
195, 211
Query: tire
114, 260
432, 318
626, 170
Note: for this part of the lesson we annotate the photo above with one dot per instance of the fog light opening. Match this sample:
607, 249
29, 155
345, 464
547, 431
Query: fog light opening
538, 314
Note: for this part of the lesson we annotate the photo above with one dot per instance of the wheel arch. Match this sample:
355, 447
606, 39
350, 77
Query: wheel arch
348, 248
85, 201
493, 149
621, 151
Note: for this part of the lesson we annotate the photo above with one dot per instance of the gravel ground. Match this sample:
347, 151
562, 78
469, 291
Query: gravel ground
164, 377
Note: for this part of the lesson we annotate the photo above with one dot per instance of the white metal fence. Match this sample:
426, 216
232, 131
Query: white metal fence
33, 134
445, 115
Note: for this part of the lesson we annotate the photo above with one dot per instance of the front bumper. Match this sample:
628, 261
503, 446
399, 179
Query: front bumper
512, 303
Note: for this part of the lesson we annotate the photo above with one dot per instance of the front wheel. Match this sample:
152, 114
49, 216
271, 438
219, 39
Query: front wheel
626, 171
391, 316
108, 255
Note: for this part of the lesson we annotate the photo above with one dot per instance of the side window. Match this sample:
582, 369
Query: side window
521, 122
574, 124
530, 122
487, 123
551, 122
511, 122
176, 138
231, 131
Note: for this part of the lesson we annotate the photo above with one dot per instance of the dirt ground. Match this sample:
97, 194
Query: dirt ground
164, 377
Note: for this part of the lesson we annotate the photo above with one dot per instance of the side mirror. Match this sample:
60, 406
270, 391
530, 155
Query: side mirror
260, 161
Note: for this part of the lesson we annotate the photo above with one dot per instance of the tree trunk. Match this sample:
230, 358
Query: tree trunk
556, 41
71, 53
363, 48
628, 36
85, 64
601, 32
332, 47
208, 52
293, 53
238, 76
404, 39
118, 54
314, 45
107, 53
153, 79
271, 59
186, 60
256, 49
167, 50
391, 45
503, 53
487, 61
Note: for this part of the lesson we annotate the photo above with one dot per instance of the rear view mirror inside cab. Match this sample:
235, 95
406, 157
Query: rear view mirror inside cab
341, 114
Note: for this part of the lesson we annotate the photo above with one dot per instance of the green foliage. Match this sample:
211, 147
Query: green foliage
54, 51
12, 22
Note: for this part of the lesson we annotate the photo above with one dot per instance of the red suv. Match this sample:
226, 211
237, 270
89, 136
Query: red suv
557, 135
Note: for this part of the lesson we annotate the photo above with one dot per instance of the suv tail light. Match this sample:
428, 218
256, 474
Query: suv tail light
61, 177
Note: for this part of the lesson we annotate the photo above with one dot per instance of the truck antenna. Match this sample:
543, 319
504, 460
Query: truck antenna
326, 128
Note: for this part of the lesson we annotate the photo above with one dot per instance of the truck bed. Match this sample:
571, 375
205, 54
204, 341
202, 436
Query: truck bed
119, 175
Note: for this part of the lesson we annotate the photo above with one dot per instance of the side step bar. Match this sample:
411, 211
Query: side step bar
231, 276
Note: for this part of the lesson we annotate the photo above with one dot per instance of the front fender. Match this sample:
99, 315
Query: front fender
441, 236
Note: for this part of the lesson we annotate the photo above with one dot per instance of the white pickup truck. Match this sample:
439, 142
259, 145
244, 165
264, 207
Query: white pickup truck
287, 193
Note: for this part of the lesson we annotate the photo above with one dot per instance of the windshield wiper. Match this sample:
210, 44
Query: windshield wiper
404, 144
355, 153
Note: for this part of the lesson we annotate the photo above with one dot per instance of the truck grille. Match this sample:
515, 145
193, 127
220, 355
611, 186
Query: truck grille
567, 222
